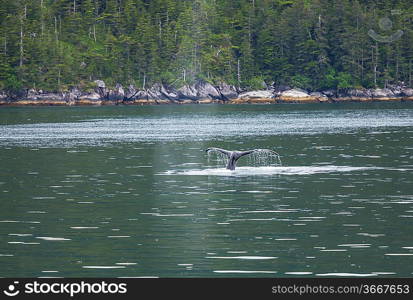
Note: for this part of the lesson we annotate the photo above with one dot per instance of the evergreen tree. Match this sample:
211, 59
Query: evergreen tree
313, 44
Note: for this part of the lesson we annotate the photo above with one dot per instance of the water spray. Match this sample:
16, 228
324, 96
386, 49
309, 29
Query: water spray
257, 157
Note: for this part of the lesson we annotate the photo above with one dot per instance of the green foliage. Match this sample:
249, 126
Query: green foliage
167, 78
330, 80
301, 82
9, 81
344, 80
311, 44
341, 80
256, 83
87, 86
12, 84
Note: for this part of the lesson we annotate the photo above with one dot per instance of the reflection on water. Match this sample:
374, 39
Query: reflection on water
115, 192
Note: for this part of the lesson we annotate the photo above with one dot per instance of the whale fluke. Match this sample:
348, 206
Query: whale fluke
233, 156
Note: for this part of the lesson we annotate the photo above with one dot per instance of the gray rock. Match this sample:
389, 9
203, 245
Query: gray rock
170, 93
227, 91
206, 90
295, 93
198, 91
262, 94
73, 94
157, 92
118, 93
141, 95
407, 92
102, 90
397, 90
319, 96
358, 93
75, 91
160, 92
34, 95
329, 93
100, 84
90, 96
131, 92
187, 92
382, 93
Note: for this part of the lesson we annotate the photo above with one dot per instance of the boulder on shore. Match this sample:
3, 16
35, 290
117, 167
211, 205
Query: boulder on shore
3, 96
130, 92
34, 95
157, 92
39, 97
205, 90
407, 93
296, 95
72, 95
118, 93
261, 96
257, 94
89, 97
227, 92
199, 91
383, 94
100, 84
187, 92
358, 95
319, 97
253, 95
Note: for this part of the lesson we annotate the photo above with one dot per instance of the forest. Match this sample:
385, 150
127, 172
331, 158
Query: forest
310, 44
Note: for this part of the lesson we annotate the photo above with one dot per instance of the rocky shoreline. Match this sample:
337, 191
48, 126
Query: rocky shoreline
198, 93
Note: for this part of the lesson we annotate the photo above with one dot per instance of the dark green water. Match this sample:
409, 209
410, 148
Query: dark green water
128, 191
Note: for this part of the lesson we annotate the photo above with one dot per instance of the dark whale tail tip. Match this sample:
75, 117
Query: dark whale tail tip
233, 156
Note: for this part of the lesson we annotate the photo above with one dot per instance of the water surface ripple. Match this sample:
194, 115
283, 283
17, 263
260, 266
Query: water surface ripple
130, 192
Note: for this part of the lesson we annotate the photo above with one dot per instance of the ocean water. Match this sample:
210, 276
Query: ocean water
130, 191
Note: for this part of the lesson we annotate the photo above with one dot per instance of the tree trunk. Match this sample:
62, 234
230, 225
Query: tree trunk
58, 79
397, 66
239, 73
144, 81
21, 42
42, 17
362, 65
55, 29
374, 61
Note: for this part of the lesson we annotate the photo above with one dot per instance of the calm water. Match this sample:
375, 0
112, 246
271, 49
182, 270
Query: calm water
129, 192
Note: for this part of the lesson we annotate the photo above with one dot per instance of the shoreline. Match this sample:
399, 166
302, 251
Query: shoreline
237, 101
198, 93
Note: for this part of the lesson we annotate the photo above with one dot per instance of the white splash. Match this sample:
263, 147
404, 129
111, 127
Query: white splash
266, 171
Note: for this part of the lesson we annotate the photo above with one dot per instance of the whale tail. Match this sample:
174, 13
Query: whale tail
234, 156
223, 151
